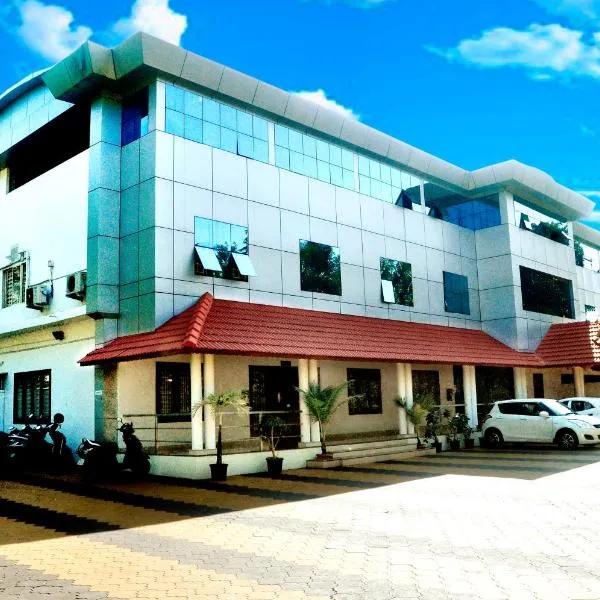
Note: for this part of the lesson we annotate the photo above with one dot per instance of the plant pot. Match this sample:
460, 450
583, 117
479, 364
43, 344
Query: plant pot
421, 446
455, 445
482, 442
437, 446
218, 471
274, 465
469, 444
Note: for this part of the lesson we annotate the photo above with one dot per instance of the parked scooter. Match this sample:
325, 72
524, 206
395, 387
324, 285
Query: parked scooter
100, 458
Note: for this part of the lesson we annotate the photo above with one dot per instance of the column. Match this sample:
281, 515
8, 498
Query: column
579, 382
313, 377
408, 393
304, 415
520, 376
470, 391
401, 393
210, 433
507, 208
196, 399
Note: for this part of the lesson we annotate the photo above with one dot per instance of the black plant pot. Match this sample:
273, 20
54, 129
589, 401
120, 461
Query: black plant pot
274, 465
438, 446
454, 444
469, 444
482, 442
218, 471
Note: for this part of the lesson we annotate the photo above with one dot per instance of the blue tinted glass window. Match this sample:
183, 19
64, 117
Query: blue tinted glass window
348, 179
456, 293
228, 140
228, 117
386, 175
174, 123
193, 105
244, 122
210, 111
323, 151
323, 171
310, 167
386, 192
376, 188
221, 235
282, 136
261, 150
396, 179
245, 145
363, 166
211, 134
310, 146
375, 169
134, 117
347, 160
364, 184
193, 129
295, 141
335, 156
239, 239
296, 162
175, 98
203, 232
260, 129
336, 175
282, 157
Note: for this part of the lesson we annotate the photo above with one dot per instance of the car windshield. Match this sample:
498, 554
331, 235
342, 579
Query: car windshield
556, 408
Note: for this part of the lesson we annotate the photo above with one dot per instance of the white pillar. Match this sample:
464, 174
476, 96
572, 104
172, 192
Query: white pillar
520, 376
470, 391
196, 398
408, 393
579, 380
401, 393
210, 434
303, 380
313, 377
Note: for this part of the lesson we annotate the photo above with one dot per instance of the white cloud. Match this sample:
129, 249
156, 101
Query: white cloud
48, 29
577, 11
320, 97
155, 17
591, 194
544, 51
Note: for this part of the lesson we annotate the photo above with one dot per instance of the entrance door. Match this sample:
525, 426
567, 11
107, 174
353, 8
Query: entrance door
273, 390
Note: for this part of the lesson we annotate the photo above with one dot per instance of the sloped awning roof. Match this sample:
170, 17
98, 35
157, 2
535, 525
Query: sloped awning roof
241, 328
571, 344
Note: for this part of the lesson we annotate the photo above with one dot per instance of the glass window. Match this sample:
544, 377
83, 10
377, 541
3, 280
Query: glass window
282, 157
320, 268
175, 98
261, 150
335, 156
364, 391
211, 111
310, 146
229, 140
347, 160
228, 117
323, 171
245, 145
175, 123
134, 117
323, 151
192, 129
348, 179
193, 105
426, 384
173, 392
211, 134
399, 274
456, 293
282, 136
546, 294
337, 177
14, 284
244, 123
32, 396
260, 129
296, 141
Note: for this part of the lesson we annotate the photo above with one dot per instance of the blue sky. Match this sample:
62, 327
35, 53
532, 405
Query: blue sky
472, 82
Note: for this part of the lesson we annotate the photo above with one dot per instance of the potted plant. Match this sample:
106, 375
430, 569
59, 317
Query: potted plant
271, 428
433, 427
321, 403
467, 432
232, 401
459, 424
416, 414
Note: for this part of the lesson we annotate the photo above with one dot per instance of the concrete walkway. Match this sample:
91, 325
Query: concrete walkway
516, 524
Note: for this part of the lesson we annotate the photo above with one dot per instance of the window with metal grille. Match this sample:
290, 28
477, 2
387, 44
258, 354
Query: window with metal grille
14, 284
365, 384
32, 396
173, 392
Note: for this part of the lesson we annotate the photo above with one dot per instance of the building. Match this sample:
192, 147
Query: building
178, 228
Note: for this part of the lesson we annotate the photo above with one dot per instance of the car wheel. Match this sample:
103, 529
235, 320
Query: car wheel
567, 440
494, 438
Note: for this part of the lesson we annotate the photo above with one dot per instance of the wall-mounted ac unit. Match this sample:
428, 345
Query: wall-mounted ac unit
76, 285
38, 296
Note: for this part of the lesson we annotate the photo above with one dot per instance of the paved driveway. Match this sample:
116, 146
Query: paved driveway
513, 524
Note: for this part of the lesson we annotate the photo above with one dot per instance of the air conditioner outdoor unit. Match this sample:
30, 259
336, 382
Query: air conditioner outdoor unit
38, 296
76, 285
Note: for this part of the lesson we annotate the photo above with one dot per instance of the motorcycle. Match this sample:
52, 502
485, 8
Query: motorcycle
100, 458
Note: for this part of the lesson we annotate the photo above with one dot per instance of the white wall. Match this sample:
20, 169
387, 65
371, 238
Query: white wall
47, 217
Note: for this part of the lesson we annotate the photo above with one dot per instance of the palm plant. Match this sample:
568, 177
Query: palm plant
416, 414
235, 401
321, 403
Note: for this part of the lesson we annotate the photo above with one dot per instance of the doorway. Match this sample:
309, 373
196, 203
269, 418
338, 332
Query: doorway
274, 390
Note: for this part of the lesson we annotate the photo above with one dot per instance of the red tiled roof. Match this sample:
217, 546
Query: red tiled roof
571, 344
226, 327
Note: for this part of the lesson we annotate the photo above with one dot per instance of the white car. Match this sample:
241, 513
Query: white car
583, 406
539, 420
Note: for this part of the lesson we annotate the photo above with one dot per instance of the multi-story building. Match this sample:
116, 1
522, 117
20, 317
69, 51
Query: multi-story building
180, 228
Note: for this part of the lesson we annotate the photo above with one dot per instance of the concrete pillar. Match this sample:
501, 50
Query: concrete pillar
313, 377
470, 391
507, 208
196, 399
579, 382
401, 393
210, 433
304, 415
520, 376
408, 393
